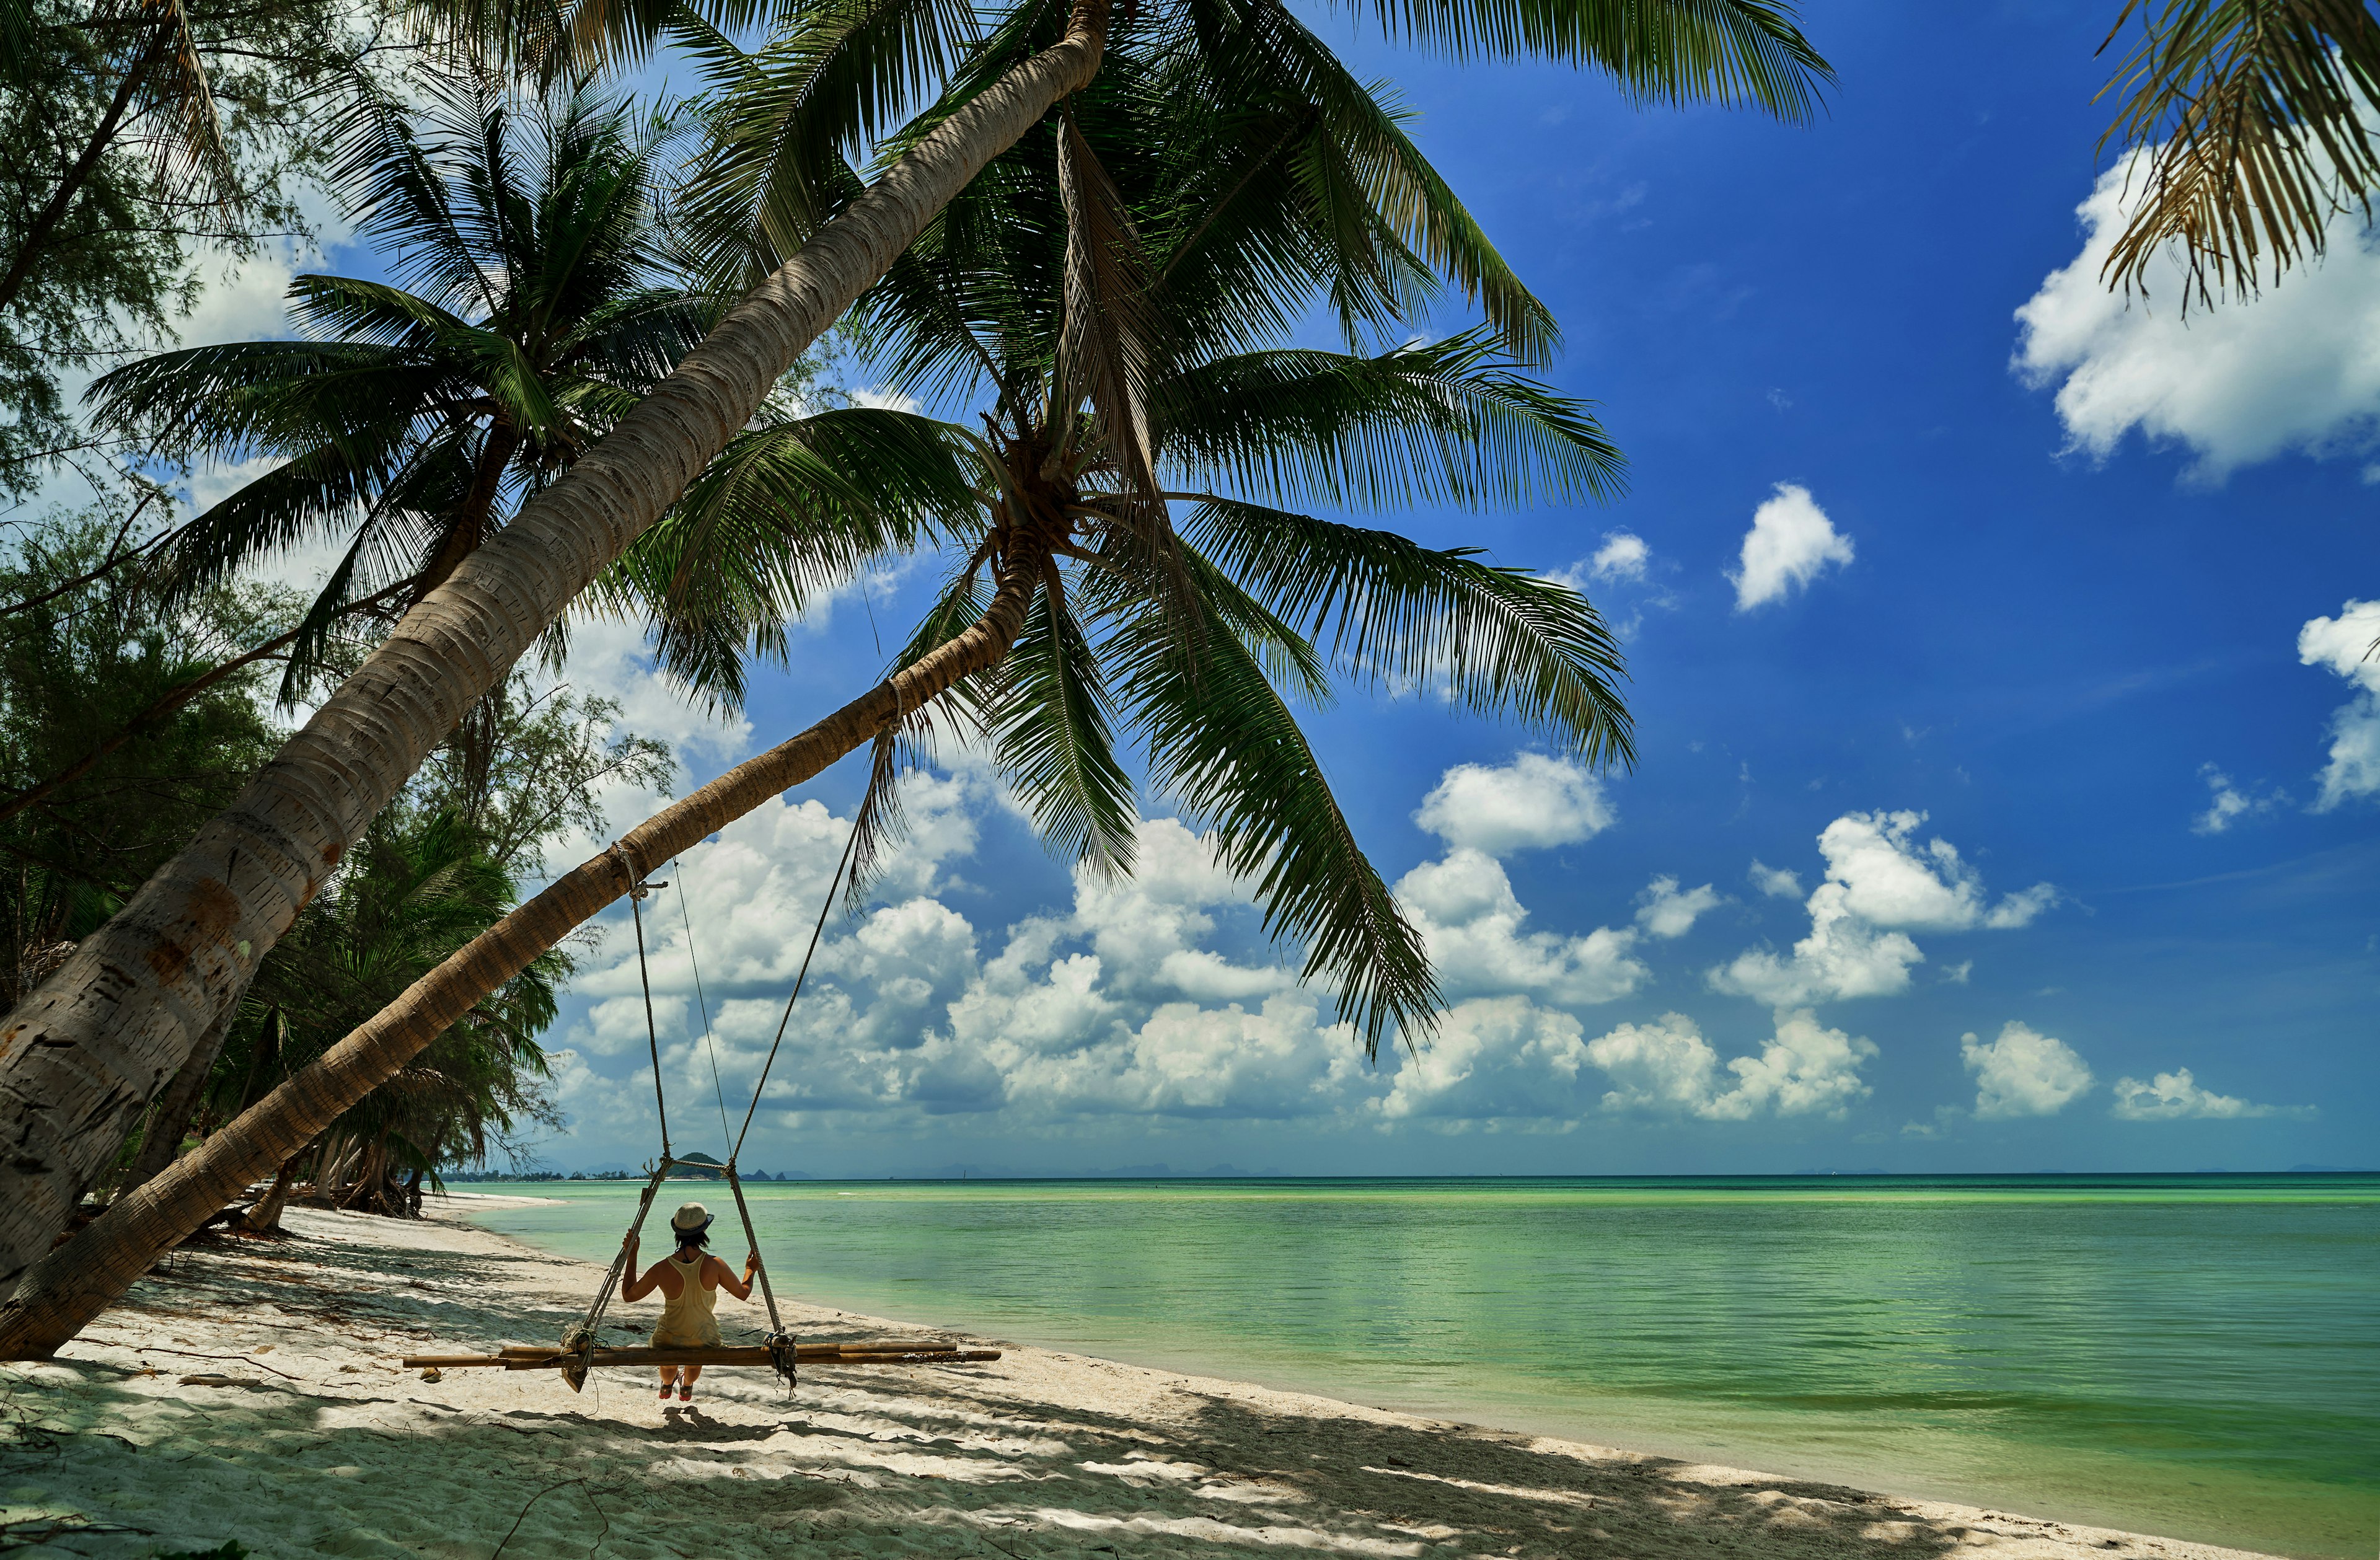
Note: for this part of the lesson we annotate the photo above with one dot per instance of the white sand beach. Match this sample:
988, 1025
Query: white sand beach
251, 1391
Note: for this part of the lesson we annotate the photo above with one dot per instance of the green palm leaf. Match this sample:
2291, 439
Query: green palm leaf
1050, 717
1444, 423
788, 511
785, 119
1741, 52
1367, 186
1503, 642
1221, 741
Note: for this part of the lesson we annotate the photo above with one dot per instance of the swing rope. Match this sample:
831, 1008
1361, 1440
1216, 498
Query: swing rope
580, 1340
636, 913
702, 1002
835, 886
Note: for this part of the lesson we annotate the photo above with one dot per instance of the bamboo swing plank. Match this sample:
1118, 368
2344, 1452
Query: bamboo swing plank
552, 1359
817, 1348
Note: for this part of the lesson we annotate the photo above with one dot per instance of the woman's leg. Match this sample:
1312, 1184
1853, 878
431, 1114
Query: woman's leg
669, 1379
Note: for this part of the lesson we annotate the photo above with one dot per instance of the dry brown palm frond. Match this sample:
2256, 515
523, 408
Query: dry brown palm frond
2253, 122
1104, 354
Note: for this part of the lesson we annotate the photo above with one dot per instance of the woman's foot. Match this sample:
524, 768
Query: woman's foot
686, 1394
665, 1392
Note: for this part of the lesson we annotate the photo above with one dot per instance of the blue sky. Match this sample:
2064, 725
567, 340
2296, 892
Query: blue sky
2037, 702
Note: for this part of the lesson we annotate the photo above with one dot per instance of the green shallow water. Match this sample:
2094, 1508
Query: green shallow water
2197, 1357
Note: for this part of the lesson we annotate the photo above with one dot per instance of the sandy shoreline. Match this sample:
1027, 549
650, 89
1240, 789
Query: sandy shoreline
250, 1392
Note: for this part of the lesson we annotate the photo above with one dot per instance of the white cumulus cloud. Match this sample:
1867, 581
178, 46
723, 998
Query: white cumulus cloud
1790, 541
1664, 912
2295, 368
2024, 1072
2343, 644
1622, 557
1492, 1059
1891, 880
1881, 882
1668, 1067
1531, 803
2175, 1096
1775, 882
1471, 923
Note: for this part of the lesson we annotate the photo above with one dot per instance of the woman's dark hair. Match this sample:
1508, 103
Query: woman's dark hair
687, 1237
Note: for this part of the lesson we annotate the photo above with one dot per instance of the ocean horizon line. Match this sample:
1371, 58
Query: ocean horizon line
1160, 1173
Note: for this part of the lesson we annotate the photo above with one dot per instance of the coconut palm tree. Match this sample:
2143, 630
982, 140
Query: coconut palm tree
533, 305
2254, 124
1109, 289
1075, 606
105, 1030
535, 301
409, 417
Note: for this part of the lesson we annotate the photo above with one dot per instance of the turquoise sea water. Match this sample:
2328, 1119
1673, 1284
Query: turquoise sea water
2197, 1357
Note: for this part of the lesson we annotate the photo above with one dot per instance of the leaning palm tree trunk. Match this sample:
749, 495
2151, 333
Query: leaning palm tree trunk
84, 1053
263, 1215
180, 1103
64, 1290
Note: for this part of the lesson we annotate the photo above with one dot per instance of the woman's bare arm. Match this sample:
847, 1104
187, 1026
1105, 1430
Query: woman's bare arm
726, 1276
658, 1276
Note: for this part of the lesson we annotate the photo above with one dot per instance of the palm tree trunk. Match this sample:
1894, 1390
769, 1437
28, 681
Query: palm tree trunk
372, 1167
64, 1289
263, 1215
331, 1171
180, 1104
97, 1041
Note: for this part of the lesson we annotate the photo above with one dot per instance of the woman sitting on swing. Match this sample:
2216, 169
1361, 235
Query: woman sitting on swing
689, 1281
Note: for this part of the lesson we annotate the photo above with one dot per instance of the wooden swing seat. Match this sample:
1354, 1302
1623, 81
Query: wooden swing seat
520, 1357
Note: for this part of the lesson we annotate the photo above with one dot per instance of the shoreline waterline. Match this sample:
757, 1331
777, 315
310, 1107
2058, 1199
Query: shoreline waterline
275, 1412
2097, 1349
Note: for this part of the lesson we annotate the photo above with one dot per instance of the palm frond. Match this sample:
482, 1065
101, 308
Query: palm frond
1739, 53
283, 397
403, 190
786, 120
1105, 351
1503, 642
790, 510
1221, 741
175, 96
1288, 657
1389, 218
1051, 718
17, 29
352, 308
1443, 422
2250, 125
